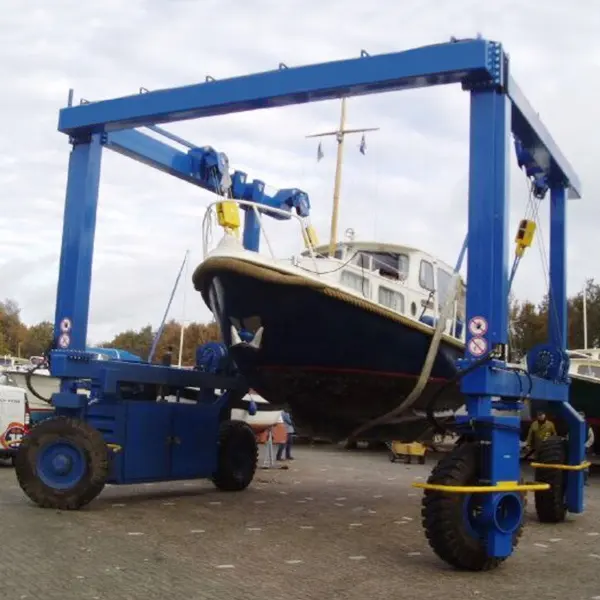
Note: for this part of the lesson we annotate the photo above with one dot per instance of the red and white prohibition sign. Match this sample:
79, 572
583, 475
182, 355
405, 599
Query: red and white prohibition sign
478, 346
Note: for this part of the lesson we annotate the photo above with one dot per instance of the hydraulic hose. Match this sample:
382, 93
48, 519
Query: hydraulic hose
29, 385
417, 391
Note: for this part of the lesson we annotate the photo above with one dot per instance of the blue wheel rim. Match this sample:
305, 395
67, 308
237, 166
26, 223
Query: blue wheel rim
61, 465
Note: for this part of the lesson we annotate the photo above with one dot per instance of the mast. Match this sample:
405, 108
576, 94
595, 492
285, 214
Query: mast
585, 329
162, 324
339, 134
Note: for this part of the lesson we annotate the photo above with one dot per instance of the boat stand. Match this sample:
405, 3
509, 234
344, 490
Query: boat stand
269, 462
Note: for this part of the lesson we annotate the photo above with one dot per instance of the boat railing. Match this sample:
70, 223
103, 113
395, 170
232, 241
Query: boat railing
259, 211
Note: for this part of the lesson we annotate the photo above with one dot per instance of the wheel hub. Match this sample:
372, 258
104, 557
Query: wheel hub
61, 465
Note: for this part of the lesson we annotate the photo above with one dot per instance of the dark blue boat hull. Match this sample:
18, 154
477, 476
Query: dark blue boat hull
335, 363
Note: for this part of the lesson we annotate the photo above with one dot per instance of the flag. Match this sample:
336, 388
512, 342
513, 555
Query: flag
363, 145
319, 152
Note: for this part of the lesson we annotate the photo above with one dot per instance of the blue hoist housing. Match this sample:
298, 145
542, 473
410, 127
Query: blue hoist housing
473, 500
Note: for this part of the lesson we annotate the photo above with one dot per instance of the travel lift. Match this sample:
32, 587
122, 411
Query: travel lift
473, 502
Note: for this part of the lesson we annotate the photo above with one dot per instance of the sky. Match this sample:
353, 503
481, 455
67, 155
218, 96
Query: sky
409, 188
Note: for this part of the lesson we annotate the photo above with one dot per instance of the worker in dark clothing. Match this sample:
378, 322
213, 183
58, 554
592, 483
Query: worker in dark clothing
539, 431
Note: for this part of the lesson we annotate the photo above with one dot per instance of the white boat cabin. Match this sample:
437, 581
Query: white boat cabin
400, 278
585, 362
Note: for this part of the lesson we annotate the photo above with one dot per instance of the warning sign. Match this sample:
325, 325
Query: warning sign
65, 325
477, 346
478, 326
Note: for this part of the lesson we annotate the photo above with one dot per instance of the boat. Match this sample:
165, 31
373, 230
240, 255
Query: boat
13, 363
337, 332
259, 421
584, 372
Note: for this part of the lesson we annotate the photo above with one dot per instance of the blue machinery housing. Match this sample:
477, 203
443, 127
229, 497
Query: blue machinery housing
498, 108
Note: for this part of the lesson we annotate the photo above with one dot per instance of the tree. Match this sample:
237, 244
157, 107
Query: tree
38, 339
140, 342
530, 322
12, 329
3, 345
136, 342
528, 326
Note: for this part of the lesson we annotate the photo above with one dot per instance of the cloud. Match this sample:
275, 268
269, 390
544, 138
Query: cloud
411, 187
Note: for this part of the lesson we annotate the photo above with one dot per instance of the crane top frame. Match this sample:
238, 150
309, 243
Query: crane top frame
471, 62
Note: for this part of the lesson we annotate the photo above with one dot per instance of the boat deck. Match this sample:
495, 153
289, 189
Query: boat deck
335, 525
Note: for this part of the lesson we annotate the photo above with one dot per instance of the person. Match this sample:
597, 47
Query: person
589, 442
289, 426
539, 431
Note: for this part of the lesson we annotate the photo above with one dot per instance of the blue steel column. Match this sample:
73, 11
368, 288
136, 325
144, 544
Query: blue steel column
79, 227
487, 260
487, 291
557, 305
488, 213
557, 333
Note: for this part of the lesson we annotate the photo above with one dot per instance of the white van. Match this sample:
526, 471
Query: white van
14, 417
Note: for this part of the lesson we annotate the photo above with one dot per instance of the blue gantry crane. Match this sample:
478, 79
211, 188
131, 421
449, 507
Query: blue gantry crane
474, 500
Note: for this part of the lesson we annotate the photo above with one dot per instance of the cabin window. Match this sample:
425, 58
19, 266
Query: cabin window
589, 370
391, 299
403, 263
362, 260
392, 266
444, 279
356, 282
426, 276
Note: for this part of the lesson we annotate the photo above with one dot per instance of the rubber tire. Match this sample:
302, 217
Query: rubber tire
236, 440
443, 515
550, 505
79, 433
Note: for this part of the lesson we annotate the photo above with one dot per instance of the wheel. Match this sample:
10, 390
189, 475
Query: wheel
237, 456
62, 463
448, 518
550, 504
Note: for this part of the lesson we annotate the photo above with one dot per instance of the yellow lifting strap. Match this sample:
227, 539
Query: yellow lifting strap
310, 237
228, 215
114, 447
524, 236
584, 465
501, 486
